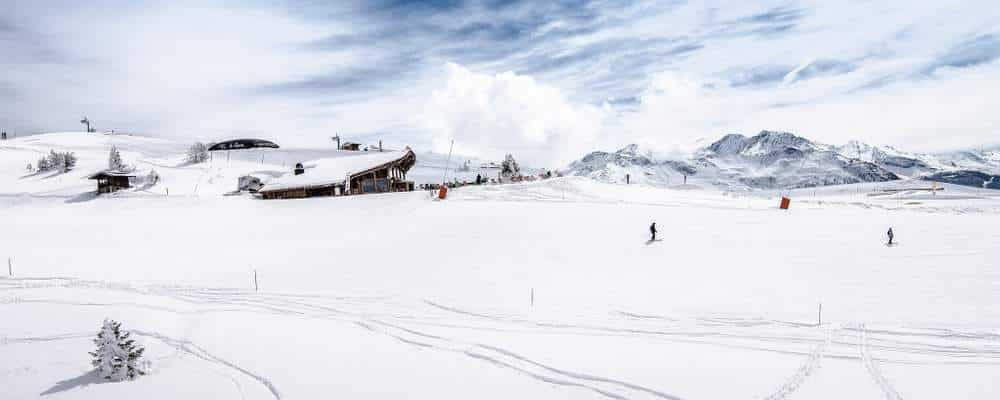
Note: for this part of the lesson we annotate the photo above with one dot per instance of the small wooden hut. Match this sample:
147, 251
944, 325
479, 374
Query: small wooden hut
111, 181
374, 172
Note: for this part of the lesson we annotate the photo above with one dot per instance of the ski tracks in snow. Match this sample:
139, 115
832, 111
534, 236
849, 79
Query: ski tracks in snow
296, 306
194, 350
406, 320
812, 363
183, 346
606, 387
872, 366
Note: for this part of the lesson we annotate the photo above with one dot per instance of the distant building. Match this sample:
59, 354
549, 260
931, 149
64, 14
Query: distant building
110, 181
240, 144
351, 146
375, 172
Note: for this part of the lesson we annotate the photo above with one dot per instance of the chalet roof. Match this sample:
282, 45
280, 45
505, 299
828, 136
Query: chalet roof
336, 170
107, 174
240, 144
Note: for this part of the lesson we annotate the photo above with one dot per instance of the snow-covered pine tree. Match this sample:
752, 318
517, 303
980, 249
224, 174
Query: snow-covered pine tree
197, 153
509, 167
69, 161
57, 161
117, 357
115, 160
43, 164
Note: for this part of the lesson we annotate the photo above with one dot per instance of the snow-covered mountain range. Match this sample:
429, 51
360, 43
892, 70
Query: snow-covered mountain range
771, 160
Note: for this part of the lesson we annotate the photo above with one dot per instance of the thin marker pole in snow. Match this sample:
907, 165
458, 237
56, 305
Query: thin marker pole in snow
819, 317
532, 297
10, 267
255, 287
447, 164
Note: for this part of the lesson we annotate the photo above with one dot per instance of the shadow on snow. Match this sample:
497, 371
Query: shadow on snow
88, 378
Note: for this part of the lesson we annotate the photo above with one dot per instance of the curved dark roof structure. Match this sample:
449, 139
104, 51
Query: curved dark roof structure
241, 144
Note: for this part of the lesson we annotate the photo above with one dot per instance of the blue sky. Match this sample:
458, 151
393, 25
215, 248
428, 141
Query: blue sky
547, 80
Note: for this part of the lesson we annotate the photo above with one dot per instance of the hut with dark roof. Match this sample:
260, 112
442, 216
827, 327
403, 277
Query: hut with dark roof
112, 181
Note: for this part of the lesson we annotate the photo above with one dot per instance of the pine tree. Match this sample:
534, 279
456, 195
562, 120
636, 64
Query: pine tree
509, 167
44, 164
69, 161
57, 161
197, 153
117, 357
115, 160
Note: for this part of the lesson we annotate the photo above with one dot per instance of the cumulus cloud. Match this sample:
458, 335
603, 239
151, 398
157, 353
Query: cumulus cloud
491, 115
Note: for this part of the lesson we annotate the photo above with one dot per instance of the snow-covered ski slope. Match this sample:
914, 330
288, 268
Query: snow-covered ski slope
167, 158
402, 296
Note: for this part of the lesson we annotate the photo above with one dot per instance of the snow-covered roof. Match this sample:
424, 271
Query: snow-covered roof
330, 171
96, 175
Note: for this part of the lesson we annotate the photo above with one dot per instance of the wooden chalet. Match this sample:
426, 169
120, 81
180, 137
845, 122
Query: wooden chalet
373, 172
111, 181
351, 146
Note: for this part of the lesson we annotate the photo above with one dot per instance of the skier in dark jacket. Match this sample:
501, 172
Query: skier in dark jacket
652, 231
890, 235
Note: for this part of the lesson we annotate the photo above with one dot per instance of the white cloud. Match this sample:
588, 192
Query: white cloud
491, 115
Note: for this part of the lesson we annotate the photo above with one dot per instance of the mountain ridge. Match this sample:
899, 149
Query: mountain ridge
784, 160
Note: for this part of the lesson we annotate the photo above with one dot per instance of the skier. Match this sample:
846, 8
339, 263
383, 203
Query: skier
652, 231
890, 235
479, 179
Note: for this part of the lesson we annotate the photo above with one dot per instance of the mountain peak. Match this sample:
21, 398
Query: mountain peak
729, 144
631, 150
776, 138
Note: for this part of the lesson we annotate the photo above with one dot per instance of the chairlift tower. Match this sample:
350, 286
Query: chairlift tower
86, 121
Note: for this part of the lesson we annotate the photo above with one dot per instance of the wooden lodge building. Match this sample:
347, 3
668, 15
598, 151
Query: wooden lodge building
351, 146
110, 181
372, 172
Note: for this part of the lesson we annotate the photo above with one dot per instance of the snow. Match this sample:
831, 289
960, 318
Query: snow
403, 296
780, 160
328, 171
